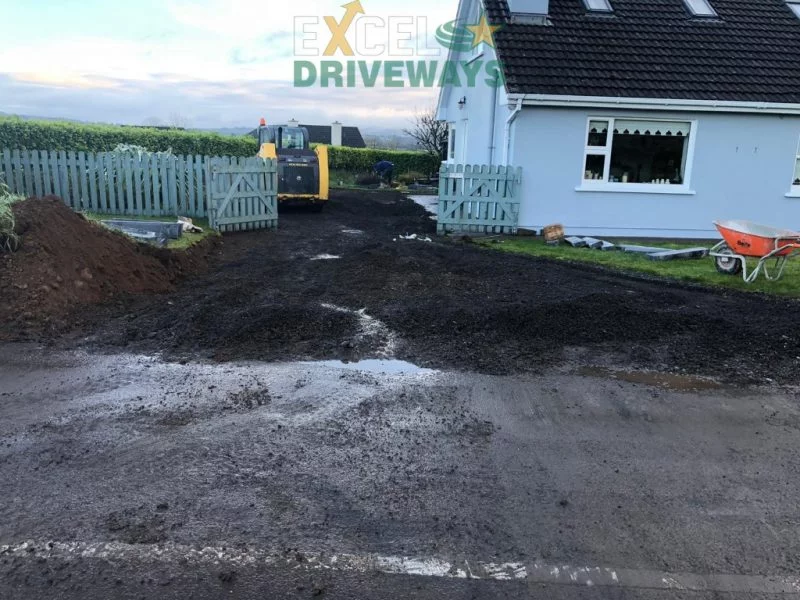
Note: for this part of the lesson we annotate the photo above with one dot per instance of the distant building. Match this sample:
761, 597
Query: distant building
331, 135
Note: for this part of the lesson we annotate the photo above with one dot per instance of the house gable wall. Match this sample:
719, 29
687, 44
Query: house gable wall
474, 134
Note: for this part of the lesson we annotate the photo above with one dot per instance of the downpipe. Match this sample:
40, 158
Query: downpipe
507, 136
493, 120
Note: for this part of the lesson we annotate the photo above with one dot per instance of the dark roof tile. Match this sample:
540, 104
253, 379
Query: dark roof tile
654, 48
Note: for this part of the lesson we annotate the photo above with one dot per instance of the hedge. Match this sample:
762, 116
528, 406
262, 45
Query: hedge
57, 135
359, 160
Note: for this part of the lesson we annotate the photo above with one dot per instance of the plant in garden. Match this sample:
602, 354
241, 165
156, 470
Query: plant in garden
410, 177
368, 179
361, 160
430, 133
9, 241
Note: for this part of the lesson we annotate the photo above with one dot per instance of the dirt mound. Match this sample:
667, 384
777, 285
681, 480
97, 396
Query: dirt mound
67, 261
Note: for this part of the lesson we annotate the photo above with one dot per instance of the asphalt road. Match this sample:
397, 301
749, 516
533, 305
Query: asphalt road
127, 477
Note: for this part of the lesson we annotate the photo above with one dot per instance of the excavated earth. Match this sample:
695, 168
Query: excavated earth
66, 263
280, 296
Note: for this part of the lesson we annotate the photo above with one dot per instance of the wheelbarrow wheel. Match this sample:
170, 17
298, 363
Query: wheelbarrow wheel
728, 265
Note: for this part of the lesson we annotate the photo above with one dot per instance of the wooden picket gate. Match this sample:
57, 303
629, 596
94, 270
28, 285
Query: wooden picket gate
242, 194
478, 199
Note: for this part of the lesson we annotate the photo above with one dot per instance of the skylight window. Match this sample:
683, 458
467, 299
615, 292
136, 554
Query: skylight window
600, 5
795, 6
700, 8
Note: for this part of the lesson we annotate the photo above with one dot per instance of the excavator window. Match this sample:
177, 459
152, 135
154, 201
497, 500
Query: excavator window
293, 138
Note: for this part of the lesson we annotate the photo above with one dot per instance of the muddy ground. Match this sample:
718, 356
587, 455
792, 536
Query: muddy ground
208, 443
129, 477
445, 304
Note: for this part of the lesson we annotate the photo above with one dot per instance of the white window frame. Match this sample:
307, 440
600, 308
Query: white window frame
452, 138
794, 5
604, 185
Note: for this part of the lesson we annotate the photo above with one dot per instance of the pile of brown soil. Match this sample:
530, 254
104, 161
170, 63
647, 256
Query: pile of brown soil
66, 261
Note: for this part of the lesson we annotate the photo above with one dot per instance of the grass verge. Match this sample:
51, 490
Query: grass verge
187, 240
690, 270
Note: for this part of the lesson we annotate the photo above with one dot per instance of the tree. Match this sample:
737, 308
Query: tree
430, 134
178, 121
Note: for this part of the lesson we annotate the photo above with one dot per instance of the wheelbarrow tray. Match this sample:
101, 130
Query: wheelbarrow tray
753, 240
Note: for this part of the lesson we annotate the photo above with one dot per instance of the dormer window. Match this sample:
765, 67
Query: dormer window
600, 6
700, 8
795, 6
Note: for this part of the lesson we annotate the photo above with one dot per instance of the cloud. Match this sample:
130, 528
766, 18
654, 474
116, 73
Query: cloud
212, 104
217, 62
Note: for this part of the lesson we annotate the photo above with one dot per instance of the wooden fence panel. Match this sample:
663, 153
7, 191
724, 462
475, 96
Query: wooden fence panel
146, 185
28, 173
46, 177
201, 182
478, 199
7, 169
16, 164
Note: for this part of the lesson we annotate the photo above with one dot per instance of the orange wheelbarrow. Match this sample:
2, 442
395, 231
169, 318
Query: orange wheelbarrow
743, 240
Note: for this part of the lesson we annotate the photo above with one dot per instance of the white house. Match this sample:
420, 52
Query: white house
637, 118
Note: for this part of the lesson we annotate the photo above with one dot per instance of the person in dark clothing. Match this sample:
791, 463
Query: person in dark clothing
385, 170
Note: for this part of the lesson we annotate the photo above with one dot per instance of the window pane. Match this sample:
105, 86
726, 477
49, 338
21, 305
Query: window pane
603, 5
595, 167
797, 172
598, 133
700, 8
647, 158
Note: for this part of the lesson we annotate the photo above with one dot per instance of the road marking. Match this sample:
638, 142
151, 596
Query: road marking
544, 573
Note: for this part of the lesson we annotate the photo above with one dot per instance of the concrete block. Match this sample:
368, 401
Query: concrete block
575, 242
678, 254
639, 249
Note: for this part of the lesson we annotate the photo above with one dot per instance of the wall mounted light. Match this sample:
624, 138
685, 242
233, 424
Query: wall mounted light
462, 103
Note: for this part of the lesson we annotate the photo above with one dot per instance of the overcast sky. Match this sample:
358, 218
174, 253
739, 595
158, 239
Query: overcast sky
208, 63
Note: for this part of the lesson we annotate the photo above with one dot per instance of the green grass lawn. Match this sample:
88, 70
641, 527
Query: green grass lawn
187, 240
693, 270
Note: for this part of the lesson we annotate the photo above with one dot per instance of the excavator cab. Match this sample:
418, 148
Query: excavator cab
302, 172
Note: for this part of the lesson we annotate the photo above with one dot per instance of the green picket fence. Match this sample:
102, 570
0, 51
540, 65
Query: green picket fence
109, 182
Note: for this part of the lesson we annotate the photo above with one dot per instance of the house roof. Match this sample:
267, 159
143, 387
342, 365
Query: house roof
654, 49
321, 134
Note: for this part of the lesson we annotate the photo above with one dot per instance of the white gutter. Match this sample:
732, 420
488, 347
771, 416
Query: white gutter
507, 136
656, 103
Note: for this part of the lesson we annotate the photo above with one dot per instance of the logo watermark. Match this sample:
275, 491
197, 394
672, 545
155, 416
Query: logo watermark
410, 55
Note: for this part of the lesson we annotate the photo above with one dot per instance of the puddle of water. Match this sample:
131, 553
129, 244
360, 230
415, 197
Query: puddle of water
388, 367
668, 381
325, 257
429, 203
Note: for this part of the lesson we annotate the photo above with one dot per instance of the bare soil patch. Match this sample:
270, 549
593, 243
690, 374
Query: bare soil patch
66, 262
445, 304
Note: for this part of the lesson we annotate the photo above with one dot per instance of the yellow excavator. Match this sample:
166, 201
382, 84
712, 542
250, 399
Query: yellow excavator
303, 176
